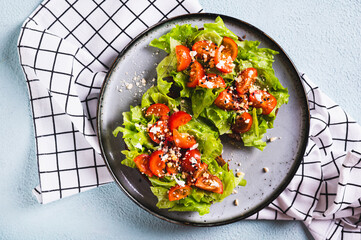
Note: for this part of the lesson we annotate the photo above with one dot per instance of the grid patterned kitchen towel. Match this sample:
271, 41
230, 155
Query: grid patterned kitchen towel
326, 190
66, 48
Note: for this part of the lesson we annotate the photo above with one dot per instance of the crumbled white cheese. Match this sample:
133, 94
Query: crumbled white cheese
258, 97
178, 181
144, 82
220, 64
239, 174
138, 145
193, 160
214, 183
253, 88
165, 157
212, 53
129, 86
272, 139
193, 53
209, 84
154, 129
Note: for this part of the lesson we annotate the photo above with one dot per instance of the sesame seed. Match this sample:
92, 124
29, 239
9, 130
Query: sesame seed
265, 169
235, 202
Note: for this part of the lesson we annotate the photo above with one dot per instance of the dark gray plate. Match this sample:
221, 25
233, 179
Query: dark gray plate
282, 157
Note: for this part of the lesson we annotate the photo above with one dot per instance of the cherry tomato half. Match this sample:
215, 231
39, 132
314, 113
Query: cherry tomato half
178, 192
156, 164
142, 162
178, 119
243, 123
202, 168
158, 110
245, 80
210, 183
264, 100
228, 100
159, 131
191, 160
212, 80
183, 57
230, 46
196, 73
183, 140
205, 49
172, 167
225, 55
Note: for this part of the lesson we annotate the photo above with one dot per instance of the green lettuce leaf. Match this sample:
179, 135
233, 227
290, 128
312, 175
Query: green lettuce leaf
154, 95
203, 98
181, 33
254, 136
209, 35
220, 28
207, 138
181, 79
221, 119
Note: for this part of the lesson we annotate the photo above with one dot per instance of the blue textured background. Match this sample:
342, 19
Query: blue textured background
323, 39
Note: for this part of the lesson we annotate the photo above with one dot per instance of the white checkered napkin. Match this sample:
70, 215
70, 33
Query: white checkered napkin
326, 190
65, 48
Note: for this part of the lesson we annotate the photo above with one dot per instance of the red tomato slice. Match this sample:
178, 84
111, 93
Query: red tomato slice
142, 162
243, 123
230, 46
196, 73
178, 192
212, 80
156, 164
158, 110
178, 119
210, 183
183, 140
183, 57
228, 100
264, 100
159, 131
245, 80
191, 160
205, 49
202, 168
225, 55
172, 167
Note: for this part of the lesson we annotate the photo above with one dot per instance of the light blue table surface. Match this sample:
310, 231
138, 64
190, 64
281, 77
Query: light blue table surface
323, 39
